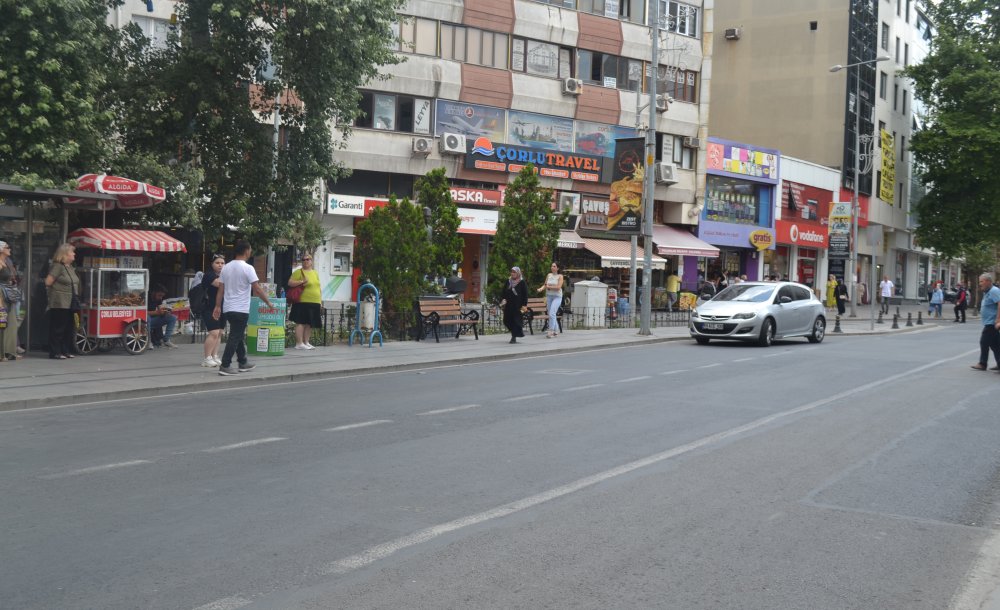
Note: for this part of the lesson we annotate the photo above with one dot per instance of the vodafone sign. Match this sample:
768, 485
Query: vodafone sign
801, 234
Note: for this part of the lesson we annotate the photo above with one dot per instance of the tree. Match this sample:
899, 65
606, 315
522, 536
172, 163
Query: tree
526, 234
392, 253
207, 101
957, 151
434, 192
55, 119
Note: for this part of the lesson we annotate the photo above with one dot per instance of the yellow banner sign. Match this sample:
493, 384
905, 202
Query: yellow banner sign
762, 239
887, 188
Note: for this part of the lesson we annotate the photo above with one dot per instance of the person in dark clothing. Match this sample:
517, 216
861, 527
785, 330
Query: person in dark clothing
840, 292
961, 303
213, 328
514, 302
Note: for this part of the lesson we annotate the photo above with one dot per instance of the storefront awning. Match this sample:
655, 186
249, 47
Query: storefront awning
125, 239
569, 240
617, 254
675, 242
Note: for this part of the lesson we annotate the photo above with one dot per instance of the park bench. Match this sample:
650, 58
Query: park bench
434, 313
536, 310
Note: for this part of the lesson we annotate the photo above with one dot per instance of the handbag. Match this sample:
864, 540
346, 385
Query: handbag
294, 293
12, 294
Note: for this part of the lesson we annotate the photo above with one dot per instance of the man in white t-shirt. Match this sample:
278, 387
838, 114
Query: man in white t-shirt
885, 292
237, 281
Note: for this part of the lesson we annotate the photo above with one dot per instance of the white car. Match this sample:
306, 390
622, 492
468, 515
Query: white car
760, 312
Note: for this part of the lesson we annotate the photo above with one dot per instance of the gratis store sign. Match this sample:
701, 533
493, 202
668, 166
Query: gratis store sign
484, 154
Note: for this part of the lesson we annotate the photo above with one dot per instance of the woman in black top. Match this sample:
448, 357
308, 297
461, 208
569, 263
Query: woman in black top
210, 281
514, 302
841, 293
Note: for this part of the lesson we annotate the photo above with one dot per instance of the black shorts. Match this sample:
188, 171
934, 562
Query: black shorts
306, 313
211, 323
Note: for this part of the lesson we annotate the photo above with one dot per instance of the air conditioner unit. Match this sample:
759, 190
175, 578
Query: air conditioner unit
662, 103
690, 142
733, 33
422, 146
572, 86
452, 144
569, 202
665, 174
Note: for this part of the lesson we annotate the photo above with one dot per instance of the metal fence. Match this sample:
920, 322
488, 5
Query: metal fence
339, 321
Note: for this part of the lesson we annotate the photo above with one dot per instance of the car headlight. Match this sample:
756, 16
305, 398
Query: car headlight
747, 315
694, 313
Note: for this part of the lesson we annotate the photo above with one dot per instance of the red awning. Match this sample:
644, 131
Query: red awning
125, 239
671, 241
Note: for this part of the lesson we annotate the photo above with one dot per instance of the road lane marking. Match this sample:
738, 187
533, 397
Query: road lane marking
673, 372
448, 410
258, 441
708, 366
583, 387
363, 424
381, 551
630, 379
93, 469
226, 603
525, 397
743, 360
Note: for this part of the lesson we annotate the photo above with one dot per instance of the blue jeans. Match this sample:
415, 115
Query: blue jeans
168, 319
552, 304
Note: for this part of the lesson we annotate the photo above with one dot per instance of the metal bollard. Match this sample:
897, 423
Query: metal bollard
895, 322
897, 310
920, 318
879, 321
909, 319
836, 325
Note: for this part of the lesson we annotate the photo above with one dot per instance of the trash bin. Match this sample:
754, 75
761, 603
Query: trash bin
266, 328
590, 300
367, 314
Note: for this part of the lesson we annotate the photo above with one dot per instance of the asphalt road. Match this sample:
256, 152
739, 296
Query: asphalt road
860, 473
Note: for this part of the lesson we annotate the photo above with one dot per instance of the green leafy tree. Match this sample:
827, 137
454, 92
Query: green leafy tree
958, 148
526, 234
206, 102
392, 252
55, 119
434, 192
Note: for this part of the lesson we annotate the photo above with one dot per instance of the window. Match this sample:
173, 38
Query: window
906, 54
902, 148
562, 3
895, 96
676, 83
683, 156
899, 7
897, 49
680, 18
906, 99
474, 46
392, 112
885, 36
883, 84
907, 16
540, 58
418, 36
155, 30
878, 136
899, 198
609, 70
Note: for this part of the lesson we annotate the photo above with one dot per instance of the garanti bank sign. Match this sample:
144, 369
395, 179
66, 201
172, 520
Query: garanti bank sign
484, 154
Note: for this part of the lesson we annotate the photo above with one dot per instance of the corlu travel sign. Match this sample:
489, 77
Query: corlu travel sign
484, 154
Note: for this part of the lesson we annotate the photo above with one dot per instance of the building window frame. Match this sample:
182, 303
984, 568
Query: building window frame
409, 114
680, 18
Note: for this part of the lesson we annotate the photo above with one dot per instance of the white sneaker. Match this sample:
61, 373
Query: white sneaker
209, 363
310, 346
301, 346
170, 344
217, 360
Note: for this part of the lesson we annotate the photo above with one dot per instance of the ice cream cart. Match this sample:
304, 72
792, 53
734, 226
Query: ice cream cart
115, 287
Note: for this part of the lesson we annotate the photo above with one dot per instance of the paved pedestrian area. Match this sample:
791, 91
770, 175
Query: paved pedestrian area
36, 381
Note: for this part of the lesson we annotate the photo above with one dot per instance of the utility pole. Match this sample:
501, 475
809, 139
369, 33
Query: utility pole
647, 208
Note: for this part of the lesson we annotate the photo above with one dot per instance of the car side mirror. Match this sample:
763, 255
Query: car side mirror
784, 300
706, 296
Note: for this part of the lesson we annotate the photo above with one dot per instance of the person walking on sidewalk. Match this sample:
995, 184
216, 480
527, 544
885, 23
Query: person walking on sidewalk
514, 302
237, 280
306, 313
937, 300
885, 290
553, 288
210, 282
990, 337
831, 292
842, 297
961, 303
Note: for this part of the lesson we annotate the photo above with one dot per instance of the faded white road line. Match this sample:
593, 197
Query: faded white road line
448, 410
525, 397
363, 424
226, 603
93, 469
258, 441
743, 360
583, 387
708, 366
381, 551
630, 379
673, 372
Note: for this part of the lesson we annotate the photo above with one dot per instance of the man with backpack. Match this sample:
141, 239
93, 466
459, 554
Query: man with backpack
961, 303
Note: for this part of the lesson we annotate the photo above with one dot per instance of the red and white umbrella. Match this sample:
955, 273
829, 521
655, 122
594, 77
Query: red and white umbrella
130, 194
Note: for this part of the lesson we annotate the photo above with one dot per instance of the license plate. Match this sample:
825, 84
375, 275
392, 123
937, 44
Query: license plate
711, 326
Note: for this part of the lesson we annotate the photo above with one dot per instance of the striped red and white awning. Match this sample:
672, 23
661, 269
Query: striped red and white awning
125, 239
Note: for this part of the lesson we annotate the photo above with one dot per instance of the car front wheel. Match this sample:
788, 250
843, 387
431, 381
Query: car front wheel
819, 331
766, 333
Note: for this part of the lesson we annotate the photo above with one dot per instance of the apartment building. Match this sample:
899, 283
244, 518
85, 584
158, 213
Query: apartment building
772, 86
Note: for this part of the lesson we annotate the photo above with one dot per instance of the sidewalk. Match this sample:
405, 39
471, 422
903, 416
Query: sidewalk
37, 381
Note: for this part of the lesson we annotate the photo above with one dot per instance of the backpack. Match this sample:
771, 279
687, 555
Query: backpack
198, 299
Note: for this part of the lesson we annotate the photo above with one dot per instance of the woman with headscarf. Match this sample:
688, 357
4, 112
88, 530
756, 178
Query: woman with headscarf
842, 297
514, 302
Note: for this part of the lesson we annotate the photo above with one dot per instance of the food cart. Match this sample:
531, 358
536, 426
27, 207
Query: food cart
115, 287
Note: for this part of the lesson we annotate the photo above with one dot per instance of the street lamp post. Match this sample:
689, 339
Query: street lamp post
855, 203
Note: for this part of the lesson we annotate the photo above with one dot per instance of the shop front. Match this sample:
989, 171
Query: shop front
334, 259
738, 215
681, 248
476, 226
803, 237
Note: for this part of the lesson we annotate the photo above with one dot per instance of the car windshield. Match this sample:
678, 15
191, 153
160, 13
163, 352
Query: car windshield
749, 293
